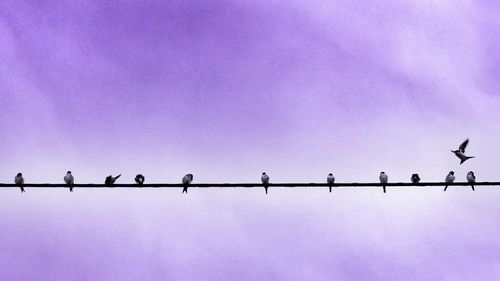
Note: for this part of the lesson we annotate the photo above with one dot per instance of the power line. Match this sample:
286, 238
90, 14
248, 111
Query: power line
252, 185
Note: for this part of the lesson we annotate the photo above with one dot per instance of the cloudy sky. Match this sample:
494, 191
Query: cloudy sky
226, 90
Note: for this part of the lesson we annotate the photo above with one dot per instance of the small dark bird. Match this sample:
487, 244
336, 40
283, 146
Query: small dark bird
265, 181
460, 153
330, 180
139, 179
449, 179
415, 178
69, 180
110, 180
471, 178
186, 181
19, 180
383, 179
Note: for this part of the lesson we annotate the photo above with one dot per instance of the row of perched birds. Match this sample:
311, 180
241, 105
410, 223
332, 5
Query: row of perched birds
415, 178
188, 179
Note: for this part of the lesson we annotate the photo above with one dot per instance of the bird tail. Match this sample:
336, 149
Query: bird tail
185, 189
446, 187
22, 189
118, 176
466, 158
384, 188
70, 188
330, 188
472, 187
265, 188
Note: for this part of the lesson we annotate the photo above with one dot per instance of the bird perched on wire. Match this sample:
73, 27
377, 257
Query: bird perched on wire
186, 181
110, 180
19, 180
383, 179
471, 178
460, 153
415, 178
450, 178
265, 181
330, 180
139, 179
69, 180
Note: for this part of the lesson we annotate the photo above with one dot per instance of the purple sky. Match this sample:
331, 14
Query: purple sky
226, 90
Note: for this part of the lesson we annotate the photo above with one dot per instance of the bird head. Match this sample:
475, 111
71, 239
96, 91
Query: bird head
330, 174
452, 173
263, 173
69, 172
471, 173
19, 174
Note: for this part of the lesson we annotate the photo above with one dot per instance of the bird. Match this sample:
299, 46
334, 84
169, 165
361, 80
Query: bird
383, 179
415, 178
330, 180
186, 180
19, 180
110, 180
471, 178
265, 181
449, 179
139, 179
460, 153
69, 180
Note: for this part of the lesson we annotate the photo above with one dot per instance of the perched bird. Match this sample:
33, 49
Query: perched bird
383, 179
69, 180
139, 179
471, 178
449, 179
186, 180
460, 153
110, 180
265, 181
415, 178
19, 180
330, 180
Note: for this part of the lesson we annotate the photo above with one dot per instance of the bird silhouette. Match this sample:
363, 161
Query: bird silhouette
110, 180
460, 153
450, 178
69, 180
139, 179
330, 180
186, 181
19, 180
265, 181
415, 178
383, 179
471, 178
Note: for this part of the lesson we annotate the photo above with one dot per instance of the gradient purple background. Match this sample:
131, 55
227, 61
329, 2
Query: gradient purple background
226, 90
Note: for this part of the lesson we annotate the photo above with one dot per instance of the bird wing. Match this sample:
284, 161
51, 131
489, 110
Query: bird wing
463, 145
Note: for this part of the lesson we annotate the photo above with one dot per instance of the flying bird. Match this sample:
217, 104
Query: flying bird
265, 181
139, 179
383, 179
69, 180
186, 181
110, 180
19, 180
471, 178
449, 179
415, 178
460, 153
330, 180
